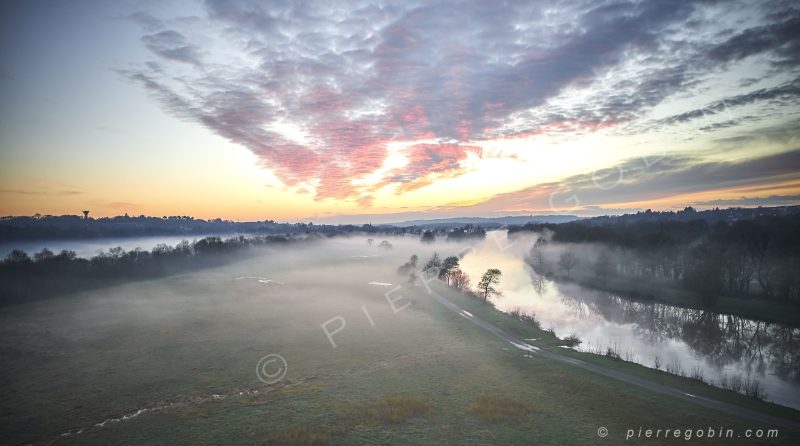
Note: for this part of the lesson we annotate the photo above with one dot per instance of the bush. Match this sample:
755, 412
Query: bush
572, 340
612, 354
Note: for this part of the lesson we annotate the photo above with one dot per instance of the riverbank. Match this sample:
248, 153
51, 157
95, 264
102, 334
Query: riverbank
546, 339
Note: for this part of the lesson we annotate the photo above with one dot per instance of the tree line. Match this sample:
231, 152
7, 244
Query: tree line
47, 274
53, 227
755, 258
456, 234
449, 272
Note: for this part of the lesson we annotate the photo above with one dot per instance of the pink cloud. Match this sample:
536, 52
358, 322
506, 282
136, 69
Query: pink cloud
428, 163
356, 78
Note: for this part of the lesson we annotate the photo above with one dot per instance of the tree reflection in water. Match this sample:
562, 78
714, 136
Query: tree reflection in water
753, 347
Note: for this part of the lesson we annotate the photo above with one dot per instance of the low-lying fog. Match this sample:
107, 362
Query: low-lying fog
112, 350
71, 361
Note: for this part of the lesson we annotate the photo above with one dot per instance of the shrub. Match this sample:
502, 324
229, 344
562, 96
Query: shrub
612, 354
572, 340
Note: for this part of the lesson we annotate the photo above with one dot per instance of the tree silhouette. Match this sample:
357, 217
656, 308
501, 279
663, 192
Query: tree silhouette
567, 261
459, 280
602, 267
449, 265
486, 286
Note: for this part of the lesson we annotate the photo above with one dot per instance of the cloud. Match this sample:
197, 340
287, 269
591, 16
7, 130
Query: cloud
788, 93
365, 201
637, 180
172, 45
785, 133
428, 163
118, 205
320, 90
147, 21
58, 193
782, 37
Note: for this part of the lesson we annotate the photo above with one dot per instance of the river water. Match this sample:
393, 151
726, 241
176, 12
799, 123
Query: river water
720, 348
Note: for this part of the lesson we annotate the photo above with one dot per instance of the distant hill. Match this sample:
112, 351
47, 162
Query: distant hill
488, 222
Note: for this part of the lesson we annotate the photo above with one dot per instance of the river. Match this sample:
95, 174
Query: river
719, 348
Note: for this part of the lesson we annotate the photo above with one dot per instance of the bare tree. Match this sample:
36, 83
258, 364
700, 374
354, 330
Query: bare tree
567, 261
459, 280
602, 267
537, 252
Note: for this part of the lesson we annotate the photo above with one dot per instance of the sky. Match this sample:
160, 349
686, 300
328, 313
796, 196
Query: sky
384, 111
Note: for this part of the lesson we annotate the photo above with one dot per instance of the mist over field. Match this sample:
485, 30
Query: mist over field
329, 341
371, 222
189, 337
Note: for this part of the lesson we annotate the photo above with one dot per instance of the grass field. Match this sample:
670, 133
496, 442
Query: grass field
182, 352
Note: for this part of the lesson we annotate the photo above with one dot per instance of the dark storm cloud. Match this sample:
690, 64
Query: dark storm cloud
355, 76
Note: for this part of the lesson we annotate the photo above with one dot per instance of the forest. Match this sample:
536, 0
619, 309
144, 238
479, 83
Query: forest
756, 258
47, 274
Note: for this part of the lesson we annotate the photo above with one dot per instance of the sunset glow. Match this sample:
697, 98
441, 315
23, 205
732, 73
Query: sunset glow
318, 110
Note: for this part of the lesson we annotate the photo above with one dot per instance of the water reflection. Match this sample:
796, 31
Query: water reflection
722, 349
